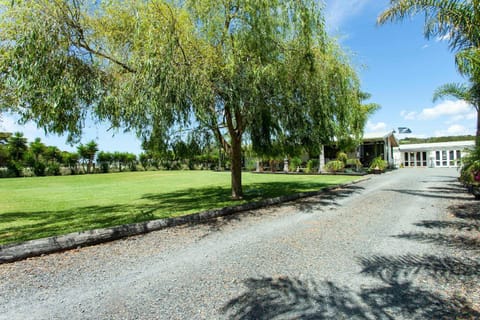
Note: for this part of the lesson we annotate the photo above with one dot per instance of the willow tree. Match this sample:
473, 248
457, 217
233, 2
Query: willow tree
241, 69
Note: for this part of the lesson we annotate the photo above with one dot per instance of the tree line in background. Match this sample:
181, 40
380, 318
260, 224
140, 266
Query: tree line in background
412, 140
19, 158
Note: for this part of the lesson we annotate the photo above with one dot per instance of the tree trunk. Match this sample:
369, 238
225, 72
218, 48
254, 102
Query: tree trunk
477, 137
236, 167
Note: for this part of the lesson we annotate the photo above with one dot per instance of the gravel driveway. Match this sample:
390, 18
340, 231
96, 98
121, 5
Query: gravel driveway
403, 245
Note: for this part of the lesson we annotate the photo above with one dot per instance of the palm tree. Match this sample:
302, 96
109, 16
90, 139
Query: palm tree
17, 146
37, 148
92, 148
87, 153
462, 91
83, 154
457, 21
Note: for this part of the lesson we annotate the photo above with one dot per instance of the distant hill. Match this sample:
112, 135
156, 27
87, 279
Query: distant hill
436, 139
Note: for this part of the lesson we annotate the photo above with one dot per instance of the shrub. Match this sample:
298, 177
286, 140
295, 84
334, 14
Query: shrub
104, 167
334, 166
471, 173
39, 168
15, 168
251, 164
354, 163
53, 169
342, 156
294, 164
310, 165
470, 166
378, 164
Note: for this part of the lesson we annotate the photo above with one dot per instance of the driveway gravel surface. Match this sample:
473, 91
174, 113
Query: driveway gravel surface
402, 245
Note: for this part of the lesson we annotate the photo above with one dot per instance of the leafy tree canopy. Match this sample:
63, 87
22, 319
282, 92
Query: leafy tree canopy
260, 70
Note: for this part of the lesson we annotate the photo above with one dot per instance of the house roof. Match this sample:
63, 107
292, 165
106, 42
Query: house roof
437, 145
381, 136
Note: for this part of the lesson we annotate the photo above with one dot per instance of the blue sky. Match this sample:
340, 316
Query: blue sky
396, 65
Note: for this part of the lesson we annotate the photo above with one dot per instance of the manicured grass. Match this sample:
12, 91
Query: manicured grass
32, 208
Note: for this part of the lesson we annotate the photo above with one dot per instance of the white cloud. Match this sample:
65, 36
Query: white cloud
337, 11
375, 127
453, 130
456, 110
446, 108
408, 115
469, 116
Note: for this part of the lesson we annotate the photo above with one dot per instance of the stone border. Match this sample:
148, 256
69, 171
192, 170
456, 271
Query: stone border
32, 248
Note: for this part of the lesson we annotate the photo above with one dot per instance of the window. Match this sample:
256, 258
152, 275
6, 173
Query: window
451, 157
412, 159
424, 158
444, 158
459, 158
437, 158
405, 160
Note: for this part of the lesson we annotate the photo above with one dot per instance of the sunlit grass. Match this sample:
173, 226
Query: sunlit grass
32, 208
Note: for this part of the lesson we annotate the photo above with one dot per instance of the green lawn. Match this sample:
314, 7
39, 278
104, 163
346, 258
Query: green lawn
32, 208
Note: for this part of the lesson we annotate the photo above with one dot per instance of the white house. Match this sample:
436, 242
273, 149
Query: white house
439, 154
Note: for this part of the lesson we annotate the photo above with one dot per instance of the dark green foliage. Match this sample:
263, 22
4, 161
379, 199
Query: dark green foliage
311, 165
39, 168
342, 156
294, 164
260, 70
17, 146
53, 169
15, 168
354, 164
334, 166
4, 155
378, 164
470, 167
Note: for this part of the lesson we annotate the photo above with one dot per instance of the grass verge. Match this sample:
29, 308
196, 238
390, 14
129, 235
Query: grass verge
32, 208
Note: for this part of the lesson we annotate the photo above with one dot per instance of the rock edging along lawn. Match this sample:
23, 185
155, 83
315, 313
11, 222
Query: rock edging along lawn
37, 247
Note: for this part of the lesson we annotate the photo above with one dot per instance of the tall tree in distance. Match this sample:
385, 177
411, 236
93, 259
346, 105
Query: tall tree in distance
257, 70
17, 146
87, 152
457, 21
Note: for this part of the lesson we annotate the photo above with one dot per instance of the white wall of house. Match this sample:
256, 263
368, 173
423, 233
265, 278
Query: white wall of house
433, 155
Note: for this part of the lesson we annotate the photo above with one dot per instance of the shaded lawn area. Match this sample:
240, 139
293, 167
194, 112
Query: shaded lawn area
32, 208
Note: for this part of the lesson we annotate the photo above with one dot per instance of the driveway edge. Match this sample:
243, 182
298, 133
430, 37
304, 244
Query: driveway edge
37, 247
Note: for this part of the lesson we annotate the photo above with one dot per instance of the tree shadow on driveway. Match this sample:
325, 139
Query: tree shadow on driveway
292, 298
327, 198
407, 284
438, 194
455, 225
310, 204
